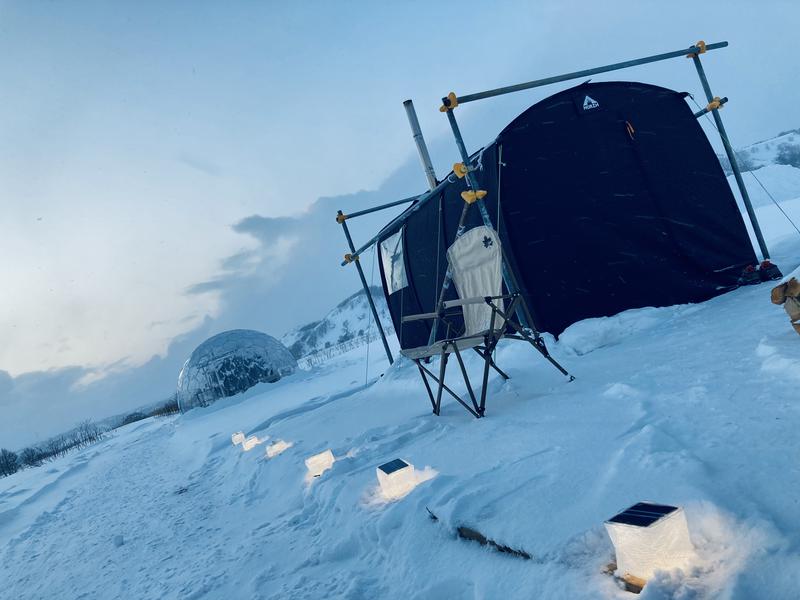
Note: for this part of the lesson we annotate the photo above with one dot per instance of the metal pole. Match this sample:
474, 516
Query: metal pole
367, 291
586, 73
366, 211
508, 277
731, 157
422, 149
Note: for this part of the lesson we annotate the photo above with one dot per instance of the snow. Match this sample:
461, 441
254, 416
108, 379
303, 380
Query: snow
694, 406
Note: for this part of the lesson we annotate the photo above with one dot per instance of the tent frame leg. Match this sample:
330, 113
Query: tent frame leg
442, 371
483, 354
427, 386
437, 404
466, 379
539, 344
367, 291
490, 341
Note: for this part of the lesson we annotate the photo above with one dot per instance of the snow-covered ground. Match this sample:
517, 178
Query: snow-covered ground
691, 405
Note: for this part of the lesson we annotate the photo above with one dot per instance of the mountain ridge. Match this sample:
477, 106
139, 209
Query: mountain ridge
349, 321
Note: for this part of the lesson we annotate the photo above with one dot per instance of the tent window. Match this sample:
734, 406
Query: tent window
393, 264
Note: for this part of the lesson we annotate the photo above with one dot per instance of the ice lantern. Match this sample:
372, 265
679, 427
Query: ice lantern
237, 438
319, 463
649, 537
277, 448
396, 478
251, 443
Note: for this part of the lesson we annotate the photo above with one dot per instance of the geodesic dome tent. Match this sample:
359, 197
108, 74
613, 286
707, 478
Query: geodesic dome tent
230, 363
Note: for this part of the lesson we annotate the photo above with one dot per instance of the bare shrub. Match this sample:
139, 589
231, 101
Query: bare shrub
133, 418
788, 154
87, 432
31, 457
8, 462
170, 407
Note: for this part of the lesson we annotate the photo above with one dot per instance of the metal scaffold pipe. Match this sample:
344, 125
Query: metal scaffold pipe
732, 158
399, 219
588, 72
367, 211
367, 291
419, 140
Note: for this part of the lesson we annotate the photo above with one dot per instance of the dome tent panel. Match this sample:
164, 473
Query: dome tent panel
230, 363
619, 203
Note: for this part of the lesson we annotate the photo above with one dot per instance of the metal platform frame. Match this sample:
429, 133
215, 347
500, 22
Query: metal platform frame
484, 345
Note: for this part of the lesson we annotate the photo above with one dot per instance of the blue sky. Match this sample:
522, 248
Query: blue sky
147, 149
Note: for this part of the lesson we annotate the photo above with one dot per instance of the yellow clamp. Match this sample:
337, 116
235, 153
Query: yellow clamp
714, 104
341, 218
449, 103
348, 258
460, 169
700, 45
470, 196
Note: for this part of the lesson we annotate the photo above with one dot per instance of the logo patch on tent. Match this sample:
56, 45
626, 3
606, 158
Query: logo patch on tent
487, 241
589, 103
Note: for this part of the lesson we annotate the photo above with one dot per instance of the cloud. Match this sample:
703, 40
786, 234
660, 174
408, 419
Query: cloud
293, 275
40, 404
290, 277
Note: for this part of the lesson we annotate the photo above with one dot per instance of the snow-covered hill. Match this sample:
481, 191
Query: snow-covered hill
783, 149
692, 405
350, 321
770, 167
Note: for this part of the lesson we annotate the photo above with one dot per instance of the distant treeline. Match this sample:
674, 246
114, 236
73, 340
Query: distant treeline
84, 434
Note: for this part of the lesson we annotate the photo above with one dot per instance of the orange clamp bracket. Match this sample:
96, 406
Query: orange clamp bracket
701, 46
470, 196
449, 103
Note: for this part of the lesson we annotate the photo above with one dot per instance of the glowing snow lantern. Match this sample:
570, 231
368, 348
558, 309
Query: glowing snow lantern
237, 438
251, 443
319, 463
649, 537
396, 478
277, 448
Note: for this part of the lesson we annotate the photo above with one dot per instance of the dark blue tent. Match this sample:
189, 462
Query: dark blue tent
606, 197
